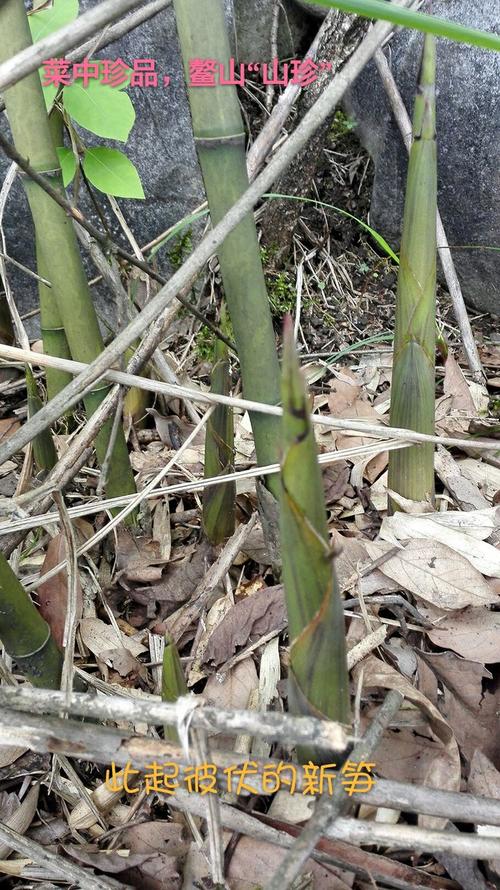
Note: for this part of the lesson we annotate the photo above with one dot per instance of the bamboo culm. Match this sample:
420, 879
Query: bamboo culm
56, 242
220, 144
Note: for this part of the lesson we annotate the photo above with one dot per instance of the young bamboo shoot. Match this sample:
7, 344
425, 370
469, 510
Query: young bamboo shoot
411, 470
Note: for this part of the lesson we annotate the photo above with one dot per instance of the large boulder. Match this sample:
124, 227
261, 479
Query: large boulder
253, 20
161, 143
468, 128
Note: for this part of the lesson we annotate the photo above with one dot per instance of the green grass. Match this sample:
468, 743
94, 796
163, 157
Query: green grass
420, 21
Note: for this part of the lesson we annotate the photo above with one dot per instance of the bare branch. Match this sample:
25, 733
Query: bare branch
282, 727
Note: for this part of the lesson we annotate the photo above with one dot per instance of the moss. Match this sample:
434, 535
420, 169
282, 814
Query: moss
282, 295
182, 247
205, 344
342, 125
205, 339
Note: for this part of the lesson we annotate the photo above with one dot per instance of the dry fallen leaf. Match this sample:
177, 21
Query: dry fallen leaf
18, 815
100, 637
444, 768
462, 677
474, 729
484, 557
53, 594
231, 690
481, 474
178, 582
455, 386
253, 861
484, 780
465, 492
248, 620
473, 633
433, 572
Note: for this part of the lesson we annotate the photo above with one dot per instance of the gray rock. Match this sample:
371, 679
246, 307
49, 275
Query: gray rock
160, 144
253, 23
468, 128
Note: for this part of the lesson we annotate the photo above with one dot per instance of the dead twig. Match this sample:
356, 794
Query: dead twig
329, 808
281, 727
57, 866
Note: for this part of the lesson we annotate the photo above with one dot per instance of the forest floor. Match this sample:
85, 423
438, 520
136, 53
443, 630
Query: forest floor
422, 597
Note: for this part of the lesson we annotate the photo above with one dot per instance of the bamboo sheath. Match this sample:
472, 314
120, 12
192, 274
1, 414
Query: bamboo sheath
24, 633
411, 474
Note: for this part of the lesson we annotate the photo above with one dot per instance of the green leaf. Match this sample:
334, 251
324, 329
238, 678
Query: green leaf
102, 109
45, 22
112, 172
67, 161
430, 24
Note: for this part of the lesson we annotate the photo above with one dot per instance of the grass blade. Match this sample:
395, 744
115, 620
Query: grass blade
420, 21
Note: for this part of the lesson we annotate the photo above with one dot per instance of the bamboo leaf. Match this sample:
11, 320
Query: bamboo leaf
377, 237
430, 24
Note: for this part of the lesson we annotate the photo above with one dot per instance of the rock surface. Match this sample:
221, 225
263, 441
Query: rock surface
253, 26
468, 126
160, 144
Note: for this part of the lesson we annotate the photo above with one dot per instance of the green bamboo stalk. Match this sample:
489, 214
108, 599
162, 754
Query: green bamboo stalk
220, 142
44, 450
24, 633
219, 500
52, 328
57, 246
173, 682
318, 681
411, 470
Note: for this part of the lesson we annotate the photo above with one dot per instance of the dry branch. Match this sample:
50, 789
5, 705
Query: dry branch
329, 808
281, 727
368, 866
9, 507
56, 865
357, 425
26, 702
